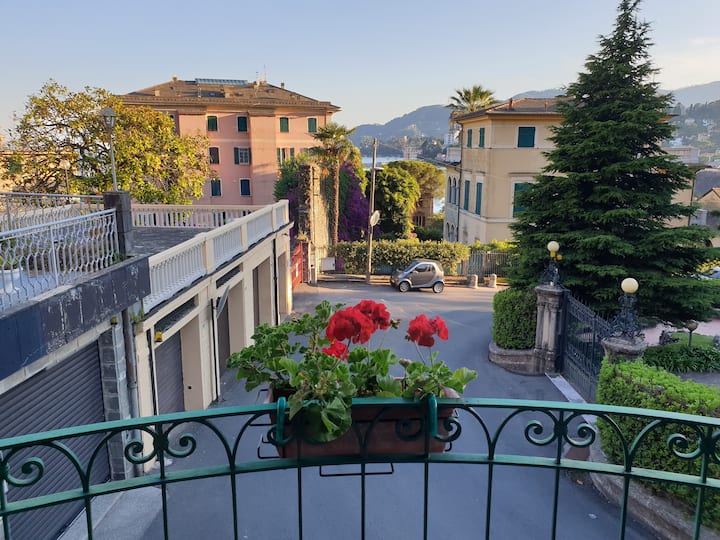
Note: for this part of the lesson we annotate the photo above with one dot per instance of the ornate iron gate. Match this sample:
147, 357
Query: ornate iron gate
582, 355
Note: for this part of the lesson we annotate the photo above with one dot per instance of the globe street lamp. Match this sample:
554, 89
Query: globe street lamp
108, 116
691, 326
551, 275
626, 324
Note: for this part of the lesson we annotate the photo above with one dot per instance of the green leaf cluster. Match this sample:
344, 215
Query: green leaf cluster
514, 318
635, 384
399, 253
680, 358
608, 192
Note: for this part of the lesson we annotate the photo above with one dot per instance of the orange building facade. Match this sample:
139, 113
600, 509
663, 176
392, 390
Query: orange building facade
252, 128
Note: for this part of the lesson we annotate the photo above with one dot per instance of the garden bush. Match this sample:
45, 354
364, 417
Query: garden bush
635, 384
399, 253
680, 358
514, 319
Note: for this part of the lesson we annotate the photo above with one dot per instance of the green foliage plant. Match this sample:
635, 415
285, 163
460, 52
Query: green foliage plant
679, 358
514, 318
607, 193
320, 361
635, 384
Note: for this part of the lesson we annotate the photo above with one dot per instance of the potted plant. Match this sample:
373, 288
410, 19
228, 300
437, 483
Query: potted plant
10, 269
319, 362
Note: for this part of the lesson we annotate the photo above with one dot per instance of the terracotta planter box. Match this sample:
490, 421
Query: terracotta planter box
375, 431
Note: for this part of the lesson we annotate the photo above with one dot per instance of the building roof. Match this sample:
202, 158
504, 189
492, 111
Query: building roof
223, 92
522, 106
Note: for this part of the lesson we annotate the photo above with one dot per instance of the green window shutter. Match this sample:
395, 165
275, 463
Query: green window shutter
214, 155
292, 153
526, 137
249, 155
215, 187
284, 125
279, 155
519, 188
478, 197
469, 138
312, 125
237, 155
212, 124
242, 123
245, 187
466, 199
481, 138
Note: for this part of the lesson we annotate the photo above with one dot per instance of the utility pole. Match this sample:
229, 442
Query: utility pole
371, 211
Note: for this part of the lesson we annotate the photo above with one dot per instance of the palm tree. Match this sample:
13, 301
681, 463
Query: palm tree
472, 99
335, 147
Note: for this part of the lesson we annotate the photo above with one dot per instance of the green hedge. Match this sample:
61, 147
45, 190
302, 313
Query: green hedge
399, 253
680, 358
635, 384
514, 319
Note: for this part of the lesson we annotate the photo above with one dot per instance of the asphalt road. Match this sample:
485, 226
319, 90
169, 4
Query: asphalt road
521, 497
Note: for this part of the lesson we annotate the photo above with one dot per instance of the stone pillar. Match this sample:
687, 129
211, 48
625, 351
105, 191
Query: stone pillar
618, 349
120, 201
549, 319
115, 395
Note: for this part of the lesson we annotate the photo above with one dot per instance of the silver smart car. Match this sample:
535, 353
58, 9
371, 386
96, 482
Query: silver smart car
420, 274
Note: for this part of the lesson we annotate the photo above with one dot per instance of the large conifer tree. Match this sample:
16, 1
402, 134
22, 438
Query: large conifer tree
606, 194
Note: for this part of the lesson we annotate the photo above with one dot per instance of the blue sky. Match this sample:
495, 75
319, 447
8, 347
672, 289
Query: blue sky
374, 59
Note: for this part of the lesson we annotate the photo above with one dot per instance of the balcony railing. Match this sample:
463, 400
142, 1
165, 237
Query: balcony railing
21, 210
202, 216
37, 258
174, 269
488, 441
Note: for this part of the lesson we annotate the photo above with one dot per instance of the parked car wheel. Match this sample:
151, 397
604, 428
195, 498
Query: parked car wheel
438, 287
404, 286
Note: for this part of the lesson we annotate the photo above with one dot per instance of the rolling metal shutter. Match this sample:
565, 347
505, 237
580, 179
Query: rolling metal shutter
223, 330
67, 394
168, 366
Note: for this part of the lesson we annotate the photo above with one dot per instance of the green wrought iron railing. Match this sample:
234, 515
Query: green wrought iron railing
477, 439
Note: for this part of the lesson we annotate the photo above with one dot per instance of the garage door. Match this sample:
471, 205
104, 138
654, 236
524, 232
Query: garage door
168, 372
68, 394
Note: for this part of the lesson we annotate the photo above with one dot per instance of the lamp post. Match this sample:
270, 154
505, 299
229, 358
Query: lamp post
691, 326
108, 116
551, 275
626, 323
372, 218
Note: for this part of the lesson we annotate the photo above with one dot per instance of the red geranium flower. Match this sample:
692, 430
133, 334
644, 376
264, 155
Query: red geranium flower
421, 330
376, 312
349, 323
337, 349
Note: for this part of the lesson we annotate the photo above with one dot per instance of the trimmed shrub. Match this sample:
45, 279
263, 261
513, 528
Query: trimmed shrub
680, 358
635, 384
514, 319
399, 253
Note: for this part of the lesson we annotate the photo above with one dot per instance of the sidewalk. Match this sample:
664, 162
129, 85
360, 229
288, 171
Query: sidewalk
711, 328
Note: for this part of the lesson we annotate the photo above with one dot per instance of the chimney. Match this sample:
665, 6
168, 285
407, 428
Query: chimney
174, 78
510, 104
282, 85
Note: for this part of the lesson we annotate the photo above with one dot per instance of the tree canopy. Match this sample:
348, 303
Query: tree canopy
335, 147
60, 139
475, 98
607, 193
396, 196
430, 179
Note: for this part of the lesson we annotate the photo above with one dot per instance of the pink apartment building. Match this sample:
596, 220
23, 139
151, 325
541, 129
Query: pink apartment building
252, 128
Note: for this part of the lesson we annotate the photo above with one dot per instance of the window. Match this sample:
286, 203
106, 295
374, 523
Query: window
242, 156
518, 188
469, 138
292, 153
312, 125
215, 187
242, 123
212, 123
466, 198
245, 186
284, 125
214, 155
478, 197
282, 155
449, 191
526, 137
481, 138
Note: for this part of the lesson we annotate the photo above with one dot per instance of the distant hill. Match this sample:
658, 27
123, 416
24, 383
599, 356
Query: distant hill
432, 120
